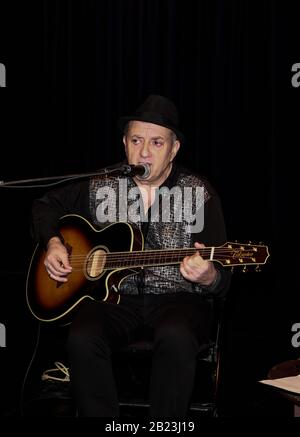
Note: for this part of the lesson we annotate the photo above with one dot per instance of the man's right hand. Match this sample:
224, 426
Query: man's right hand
57, 260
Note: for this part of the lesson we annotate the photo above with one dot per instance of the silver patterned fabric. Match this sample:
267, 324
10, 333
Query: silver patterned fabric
114, 199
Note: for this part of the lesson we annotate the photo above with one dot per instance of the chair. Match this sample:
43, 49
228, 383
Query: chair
132, 370
52, 396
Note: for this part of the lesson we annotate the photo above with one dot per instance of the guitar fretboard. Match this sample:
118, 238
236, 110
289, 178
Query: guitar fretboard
225, 255
150, 257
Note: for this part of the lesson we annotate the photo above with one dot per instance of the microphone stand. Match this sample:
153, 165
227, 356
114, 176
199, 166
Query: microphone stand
106, 171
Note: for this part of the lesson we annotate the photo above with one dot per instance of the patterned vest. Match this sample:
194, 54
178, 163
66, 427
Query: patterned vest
172, 222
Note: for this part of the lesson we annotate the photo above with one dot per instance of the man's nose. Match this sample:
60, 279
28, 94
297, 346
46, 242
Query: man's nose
145, 150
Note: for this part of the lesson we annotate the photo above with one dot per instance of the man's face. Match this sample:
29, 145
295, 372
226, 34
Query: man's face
152, 144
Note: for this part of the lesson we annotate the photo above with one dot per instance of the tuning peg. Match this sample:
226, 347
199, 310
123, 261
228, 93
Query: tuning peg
250, 242
244, 269
232, 269
257, 269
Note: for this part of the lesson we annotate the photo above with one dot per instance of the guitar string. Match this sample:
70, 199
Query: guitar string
113, 260
81, 268
163, 252
178, 250
110, 263
151, 258
131, 256
119, 261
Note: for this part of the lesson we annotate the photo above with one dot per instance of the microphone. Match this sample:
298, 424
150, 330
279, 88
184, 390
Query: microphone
141, 170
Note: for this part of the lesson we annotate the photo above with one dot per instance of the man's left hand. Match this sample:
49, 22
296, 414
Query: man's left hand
195, 269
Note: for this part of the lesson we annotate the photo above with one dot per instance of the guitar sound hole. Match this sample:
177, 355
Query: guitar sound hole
95, 263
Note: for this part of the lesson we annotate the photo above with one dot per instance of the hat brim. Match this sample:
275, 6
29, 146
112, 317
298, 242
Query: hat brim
147, 119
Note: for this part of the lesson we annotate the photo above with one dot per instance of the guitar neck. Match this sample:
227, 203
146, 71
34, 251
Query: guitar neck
230, 254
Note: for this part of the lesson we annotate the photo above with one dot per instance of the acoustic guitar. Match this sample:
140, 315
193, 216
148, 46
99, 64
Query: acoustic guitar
102, 259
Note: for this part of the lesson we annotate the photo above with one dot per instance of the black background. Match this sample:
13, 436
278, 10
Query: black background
73, 67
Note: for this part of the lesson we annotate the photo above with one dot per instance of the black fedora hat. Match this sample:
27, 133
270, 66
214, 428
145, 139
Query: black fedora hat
157, 110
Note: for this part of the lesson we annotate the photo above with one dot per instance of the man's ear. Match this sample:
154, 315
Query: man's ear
125, 145
175, 148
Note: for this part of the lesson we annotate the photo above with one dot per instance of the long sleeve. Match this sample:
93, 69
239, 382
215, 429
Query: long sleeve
214, 234
47, 210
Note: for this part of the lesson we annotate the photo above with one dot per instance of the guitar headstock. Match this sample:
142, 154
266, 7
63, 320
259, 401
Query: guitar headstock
238, 254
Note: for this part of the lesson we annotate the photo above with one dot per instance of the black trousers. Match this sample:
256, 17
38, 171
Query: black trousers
179, 324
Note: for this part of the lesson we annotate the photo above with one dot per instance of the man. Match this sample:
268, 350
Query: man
173, 303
